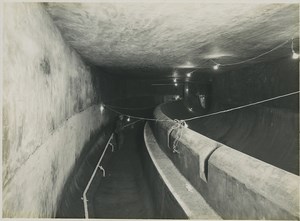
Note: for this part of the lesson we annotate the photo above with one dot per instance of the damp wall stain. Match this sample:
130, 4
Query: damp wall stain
49, 111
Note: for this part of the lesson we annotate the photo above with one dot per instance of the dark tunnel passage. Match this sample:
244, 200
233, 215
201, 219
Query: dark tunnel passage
144, 110
268, 131
123, 192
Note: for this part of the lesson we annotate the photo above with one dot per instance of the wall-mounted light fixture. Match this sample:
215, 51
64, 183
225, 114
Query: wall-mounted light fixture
294, 55
177, 97
216, 66
101, 108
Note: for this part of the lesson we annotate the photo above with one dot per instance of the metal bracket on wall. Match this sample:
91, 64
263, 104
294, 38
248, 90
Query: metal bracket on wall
112, 147
84, 199
103, 170
178, 129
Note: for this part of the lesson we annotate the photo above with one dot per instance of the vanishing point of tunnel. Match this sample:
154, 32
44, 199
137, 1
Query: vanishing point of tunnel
150, 110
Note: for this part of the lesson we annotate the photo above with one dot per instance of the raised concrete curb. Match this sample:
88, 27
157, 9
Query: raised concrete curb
236, 185
185, 195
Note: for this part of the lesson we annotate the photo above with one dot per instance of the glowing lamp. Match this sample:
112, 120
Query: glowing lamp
216, 67
101, 108
295, 55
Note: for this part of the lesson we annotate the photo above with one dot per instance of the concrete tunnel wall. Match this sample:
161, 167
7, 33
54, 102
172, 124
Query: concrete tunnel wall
236, 186
239, 86
268, 131
50, 111
258, 82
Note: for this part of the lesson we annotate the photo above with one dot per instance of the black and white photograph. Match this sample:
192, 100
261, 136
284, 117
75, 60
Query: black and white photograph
150, 109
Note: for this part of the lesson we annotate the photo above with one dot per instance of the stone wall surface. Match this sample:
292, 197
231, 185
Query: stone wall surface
50, 111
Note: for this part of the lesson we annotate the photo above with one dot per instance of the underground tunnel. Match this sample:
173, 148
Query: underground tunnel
150, 110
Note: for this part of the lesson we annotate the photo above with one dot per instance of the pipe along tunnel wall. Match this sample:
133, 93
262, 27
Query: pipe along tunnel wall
122, 193
204, 179
53, 130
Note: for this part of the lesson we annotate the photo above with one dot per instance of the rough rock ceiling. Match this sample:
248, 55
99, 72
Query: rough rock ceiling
175, 35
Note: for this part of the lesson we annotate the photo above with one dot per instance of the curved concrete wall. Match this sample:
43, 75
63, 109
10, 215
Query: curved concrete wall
174, 196
265, 133
50, 111
237, 186
268, 131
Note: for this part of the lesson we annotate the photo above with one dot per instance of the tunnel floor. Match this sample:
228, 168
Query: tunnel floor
124, 192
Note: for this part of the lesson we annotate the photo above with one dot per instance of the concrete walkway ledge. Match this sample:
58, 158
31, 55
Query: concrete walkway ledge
235, 185
188, 198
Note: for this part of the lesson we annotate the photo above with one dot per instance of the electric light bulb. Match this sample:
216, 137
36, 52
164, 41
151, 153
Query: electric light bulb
175, 80
128, 119
101, 108
188, 74
295, 55
216, 67
187, 90
176, 84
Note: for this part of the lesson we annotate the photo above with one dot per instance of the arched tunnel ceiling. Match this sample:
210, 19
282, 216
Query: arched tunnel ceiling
135, 35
